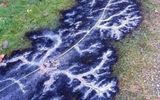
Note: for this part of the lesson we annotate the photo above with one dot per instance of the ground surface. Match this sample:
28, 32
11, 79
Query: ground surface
138, 67
20, 16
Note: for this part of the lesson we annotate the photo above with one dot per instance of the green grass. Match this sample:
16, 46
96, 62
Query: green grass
132, 59
150, 4
21, 16
135, 56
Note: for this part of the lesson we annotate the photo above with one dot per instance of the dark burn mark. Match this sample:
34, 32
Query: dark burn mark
82, 45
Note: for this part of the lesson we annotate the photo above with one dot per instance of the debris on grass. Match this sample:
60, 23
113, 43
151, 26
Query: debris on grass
1, 57
5, 44
4, 3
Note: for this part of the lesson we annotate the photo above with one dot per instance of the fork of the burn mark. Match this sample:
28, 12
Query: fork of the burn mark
53, 63
16, 82
20, 79
88, 32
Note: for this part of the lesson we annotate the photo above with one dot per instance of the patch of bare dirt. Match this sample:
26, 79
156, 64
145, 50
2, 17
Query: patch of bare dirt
151, 75
153, 21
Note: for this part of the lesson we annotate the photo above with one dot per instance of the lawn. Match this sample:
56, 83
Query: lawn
19, 16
